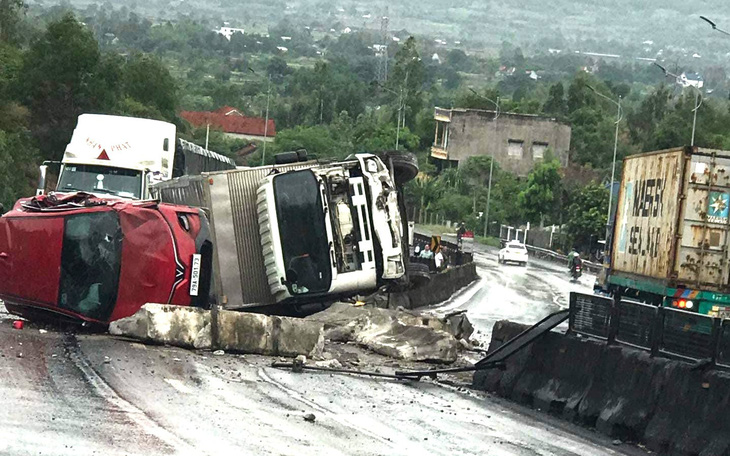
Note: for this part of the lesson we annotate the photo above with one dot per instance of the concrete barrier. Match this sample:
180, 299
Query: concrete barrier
440, 288
236, 331
670, 406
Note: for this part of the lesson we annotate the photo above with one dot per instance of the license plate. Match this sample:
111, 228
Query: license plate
195, 275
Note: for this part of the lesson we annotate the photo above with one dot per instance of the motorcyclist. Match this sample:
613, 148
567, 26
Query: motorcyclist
575, 261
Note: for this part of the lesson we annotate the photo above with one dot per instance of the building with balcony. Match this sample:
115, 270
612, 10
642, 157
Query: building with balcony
516, 141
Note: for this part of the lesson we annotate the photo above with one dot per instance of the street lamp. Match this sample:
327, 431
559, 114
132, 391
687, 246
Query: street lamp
714, 26
266, 121
613, 163
401, 106
491, 160
698, 101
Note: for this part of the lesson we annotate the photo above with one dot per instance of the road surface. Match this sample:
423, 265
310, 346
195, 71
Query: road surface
63, 393
524, 294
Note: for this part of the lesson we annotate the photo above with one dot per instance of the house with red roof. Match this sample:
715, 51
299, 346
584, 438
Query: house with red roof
233, 123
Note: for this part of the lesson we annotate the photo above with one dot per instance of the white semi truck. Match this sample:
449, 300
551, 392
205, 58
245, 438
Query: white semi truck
122, 156
298, 232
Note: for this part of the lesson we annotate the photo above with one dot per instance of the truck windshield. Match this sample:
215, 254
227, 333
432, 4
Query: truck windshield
126, 183
90, 264
303, 233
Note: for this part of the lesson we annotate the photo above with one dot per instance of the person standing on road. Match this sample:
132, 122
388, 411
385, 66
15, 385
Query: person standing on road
438, 258
426, 253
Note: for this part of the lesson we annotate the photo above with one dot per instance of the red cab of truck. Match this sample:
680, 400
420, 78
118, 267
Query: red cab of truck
99, 260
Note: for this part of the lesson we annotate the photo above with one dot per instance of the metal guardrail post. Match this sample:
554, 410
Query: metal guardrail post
573, 309
715, 336
615, 316
657, 333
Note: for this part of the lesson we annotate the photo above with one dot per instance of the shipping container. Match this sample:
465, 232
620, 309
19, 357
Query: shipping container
671, 225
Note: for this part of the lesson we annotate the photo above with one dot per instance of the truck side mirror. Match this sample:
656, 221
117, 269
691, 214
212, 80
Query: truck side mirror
41, 189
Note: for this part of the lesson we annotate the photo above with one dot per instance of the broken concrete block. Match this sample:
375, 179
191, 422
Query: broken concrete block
409, 343
166, 324
245, 332
269, 335
297, 336
459, 325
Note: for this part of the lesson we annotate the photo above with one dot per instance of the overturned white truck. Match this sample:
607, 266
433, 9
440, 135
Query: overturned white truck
297, 232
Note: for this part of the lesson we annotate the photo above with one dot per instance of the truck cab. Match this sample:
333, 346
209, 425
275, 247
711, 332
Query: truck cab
330, 229
120, 157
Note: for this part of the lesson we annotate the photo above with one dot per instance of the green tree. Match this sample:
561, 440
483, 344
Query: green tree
537, 200
54, 82
407, 80
10, 11
555, 104
586, 219
149, 82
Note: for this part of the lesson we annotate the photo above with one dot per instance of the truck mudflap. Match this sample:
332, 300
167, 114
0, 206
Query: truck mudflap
386, 216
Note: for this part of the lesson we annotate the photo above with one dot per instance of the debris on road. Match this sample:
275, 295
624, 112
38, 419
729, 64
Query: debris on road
309, 417
187, 327
18, 324
238, 332
397, 333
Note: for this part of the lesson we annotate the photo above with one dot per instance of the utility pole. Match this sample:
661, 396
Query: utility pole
613, 163
698, 99
382, 73
491, 161
266, 121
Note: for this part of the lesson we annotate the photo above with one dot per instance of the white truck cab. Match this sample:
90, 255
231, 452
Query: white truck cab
121, 157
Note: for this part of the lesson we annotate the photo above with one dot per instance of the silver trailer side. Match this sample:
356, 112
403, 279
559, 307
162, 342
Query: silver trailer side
229, 199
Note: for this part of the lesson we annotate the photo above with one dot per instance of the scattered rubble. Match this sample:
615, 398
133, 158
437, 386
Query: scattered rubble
309, 417
397, 333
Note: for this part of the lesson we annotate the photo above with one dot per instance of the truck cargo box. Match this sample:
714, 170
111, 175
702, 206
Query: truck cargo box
671, 224
230, 200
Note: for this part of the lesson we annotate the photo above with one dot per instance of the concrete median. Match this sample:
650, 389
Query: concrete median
671, 406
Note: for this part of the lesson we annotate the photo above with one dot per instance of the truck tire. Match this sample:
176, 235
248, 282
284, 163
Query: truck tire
405, 165
418, 274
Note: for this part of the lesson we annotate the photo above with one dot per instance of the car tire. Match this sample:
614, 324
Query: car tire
405, 165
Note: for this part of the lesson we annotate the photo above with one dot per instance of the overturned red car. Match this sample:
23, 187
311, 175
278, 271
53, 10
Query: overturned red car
98, 260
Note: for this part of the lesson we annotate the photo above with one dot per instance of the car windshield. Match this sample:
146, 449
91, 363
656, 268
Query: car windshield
90, 264
303, 233
516, 246
126, 183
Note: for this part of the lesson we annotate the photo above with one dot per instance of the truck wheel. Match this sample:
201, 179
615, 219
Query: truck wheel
418, 274
405, 165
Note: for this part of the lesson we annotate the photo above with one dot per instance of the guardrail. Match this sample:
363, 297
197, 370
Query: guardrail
663, 331
554, 256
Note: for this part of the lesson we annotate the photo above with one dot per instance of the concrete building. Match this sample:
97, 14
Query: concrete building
516, 141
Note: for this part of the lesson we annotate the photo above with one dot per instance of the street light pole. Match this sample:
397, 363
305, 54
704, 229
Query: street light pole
613, 163
698, 99
491, 162
266, 121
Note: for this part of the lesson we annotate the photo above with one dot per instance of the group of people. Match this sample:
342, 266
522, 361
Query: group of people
427, 253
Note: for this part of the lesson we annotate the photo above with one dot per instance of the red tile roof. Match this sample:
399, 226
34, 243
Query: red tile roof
230, 120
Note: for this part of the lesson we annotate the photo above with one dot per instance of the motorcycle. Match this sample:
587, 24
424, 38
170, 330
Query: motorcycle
576, 271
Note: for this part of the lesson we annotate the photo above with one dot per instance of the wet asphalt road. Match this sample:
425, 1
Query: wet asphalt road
78, 394
524, 294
